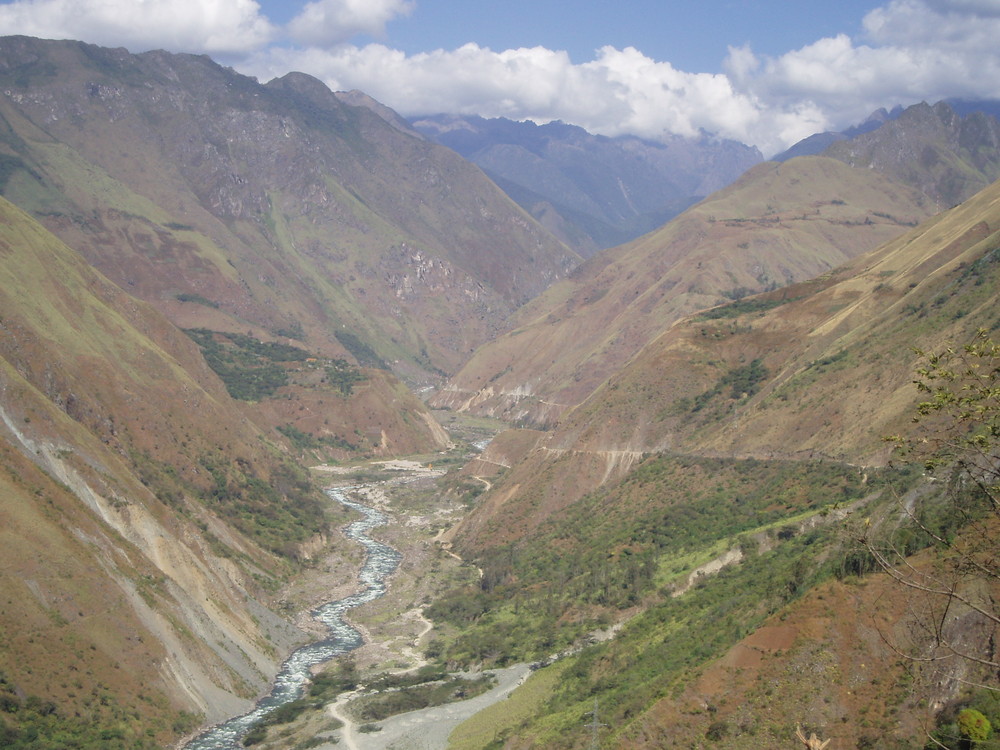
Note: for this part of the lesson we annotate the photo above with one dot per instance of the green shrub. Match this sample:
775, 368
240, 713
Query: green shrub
973, 726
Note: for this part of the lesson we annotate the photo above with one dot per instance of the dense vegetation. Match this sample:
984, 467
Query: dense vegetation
250, 368
343, 376
624, 547
31, 723
742, 307
253, 370
279, 512
658, 652
969, 722
305, 441
429, 686
362, 352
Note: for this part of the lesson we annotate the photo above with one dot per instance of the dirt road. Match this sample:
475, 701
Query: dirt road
428, 729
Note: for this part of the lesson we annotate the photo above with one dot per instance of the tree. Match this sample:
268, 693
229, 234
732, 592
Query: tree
973, 726
956, 438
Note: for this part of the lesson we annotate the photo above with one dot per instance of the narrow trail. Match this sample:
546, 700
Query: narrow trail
412, 650
336, 710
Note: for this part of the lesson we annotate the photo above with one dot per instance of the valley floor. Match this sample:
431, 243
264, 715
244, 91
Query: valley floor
394, 628
431, 727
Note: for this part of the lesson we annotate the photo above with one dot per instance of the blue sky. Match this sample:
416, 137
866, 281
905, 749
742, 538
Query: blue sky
764, 72
693, 36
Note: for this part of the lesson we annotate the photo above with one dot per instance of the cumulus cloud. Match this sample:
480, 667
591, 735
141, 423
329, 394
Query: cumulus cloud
212, 26
329, 22
915, 50
910, 50
620, 91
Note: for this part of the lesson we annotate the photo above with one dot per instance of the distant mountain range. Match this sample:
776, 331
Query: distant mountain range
819, 142
781, 222
591, 191
946, 155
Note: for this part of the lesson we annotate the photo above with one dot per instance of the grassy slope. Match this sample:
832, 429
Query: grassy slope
777, 224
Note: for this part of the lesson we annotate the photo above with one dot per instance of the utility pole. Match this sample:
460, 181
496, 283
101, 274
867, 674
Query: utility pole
595, 726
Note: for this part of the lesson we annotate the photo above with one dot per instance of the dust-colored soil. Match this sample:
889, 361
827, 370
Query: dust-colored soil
428, 729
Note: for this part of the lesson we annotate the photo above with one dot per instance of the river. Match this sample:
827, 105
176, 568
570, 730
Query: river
381, 561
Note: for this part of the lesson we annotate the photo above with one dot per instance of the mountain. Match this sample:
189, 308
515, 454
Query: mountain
707, 499
147, 521
271, 209
591, 191
815, 369
778, 224
944, 154
817, 143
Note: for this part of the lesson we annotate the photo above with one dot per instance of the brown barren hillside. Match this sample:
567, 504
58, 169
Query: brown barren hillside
275, 209
821, 369
146, 520
778, 224
830, 662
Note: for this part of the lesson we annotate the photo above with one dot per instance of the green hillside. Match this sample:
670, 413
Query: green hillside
746, 443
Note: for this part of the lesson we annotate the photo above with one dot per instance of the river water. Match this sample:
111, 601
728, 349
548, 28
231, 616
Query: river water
381, 561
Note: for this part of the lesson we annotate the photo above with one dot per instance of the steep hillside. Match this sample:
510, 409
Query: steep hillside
710, 498
821, 369
834, 354
274, 209
778, 224
147, 522
591, 191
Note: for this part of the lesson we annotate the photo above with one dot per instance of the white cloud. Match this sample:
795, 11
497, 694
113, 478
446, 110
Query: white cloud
919, 49
212, 26
911, 50
962, 25
327, 22
620, 91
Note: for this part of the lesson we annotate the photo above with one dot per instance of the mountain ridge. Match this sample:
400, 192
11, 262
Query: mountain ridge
776, 224
288, 209
592, 191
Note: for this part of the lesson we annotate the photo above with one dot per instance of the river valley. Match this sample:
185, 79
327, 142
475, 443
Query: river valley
364, 602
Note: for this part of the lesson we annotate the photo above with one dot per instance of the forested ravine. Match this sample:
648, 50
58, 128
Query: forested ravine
381, 561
